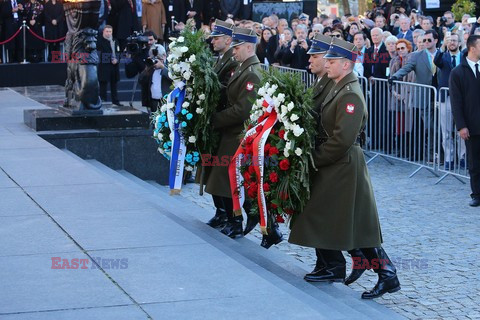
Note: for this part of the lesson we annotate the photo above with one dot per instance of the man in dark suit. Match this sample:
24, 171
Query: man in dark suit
446, 59
465, 94
124, 19
9, 12
405, 32
194, 10
175, 9
108, 68
211, 10
375, 63
230, 8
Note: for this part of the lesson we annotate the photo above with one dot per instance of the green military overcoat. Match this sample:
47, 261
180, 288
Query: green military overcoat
321, 89
224, 68
341, 213
241, 94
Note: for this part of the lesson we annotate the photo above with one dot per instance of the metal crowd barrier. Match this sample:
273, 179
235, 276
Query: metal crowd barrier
409, 122
451, 150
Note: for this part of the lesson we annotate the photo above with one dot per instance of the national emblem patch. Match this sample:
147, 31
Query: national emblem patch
350, 108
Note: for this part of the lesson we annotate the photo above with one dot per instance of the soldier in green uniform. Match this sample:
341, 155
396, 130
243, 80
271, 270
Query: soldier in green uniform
224, 67
241, 92
342, 213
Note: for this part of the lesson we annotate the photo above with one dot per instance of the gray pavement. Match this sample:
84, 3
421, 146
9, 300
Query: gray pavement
429, 231
78, 240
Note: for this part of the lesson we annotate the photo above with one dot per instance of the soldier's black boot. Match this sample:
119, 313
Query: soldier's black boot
334, 270
274, 236
234, 227
319, 265
252, 221
219, 220
357, 266
387, 274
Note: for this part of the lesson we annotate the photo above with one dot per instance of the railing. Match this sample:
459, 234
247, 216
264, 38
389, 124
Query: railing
409, 122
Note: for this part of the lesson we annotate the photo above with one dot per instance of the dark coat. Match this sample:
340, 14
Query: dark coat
341, 213
34, 12
465, 97
54, 12
123, 19
408, 36
106, 70
443, 61
377, 67
9, 24
211, 10
321, 89
230, 7
241, 91
198, 6
298, 59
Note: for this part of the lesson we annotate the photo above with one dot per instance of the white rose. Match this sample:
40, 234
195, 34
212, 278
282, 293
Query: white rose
189, 168
297, 131
298, 152
261, 91
284, 109
163, 108
192, 139
170, 105
288, 145
281, 97
271, 91
157, 118
180, 39
294, 117
192, 58
199, 110
286, 153
201, 97
160, 150
183, 49
287, 125
290, 106
160, 136
171, 136
186, 104
187, 75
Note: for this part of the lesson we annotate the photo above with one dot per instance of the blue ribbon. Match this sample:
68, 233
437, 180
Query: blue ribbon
179, 94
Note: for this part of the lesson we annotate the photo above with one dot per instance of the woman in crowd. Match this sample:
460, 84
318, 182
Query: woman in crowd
401, 102
262, 46
33, 13
283, 41
55, 27
391, 43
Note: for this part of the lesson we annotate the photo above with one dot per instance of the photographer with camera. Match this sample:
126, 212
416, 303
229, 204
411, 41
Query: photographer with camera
138, 46
296, 52
154, 79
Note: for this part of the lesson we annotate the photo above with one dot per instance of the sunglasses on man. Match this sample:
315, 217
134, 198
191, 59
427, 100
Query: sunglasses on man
428, 40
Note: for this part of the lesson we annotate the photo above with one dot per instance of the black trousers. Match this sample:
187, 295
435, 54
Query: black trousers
331, 258
113, 90
228, 205
473, 161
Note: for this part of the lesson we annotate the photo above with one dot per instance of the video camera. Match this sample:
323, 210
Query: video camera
151, 61
136, 42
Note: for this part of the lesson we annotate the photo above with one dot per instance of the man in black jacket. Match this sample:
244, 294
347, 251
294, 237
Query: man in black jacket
108, 68
464, 94
296, 52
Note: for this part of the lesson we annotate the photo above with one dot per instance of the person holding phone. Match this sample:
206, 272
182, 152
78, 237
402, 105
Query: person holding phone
297, 55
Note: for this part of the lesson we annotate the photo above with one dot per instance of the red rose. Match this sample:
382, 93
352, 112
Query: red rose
272, 131
284, 164
283, 195
246, 176
273, 206
251, 169
259, 128
273, 177
249, 149
245, 184
252, 190
266, 148
280, 219
266, 187
281, 134
289, 211
273, 151
249, 140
